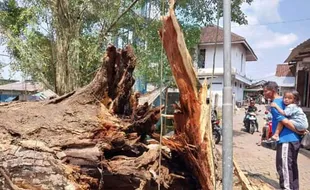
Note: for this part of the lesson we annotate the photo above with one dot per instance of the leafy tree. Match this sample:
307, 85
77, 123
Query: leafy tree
57, 41
193, 15
60, 42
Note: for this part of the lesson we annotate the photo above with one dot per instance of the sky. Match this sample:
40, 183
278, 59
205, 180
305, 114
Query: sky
275, 27
5, 72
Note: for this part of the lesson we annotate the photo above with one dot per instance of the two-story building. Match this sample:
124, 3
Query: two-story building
241, 52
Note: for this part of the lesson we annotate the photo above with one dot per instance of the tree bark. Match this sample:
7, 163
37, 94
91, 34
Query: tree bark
67, 28
191, 120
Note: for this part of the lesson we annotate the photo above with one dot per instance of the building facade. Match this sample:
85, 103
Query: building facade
241, 53
19, 91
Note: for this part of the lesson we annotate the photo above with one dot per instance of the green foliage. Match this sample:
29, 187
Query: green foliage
32, 29
192, 16
89, 58
13, 17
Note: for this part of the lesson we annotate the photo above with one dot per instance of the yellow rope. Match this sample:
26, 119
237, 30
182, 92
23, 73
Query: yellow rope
160, 99
211, 81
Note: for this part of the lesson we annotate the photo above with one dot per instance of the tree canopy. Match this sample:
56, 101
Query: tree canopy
60, 42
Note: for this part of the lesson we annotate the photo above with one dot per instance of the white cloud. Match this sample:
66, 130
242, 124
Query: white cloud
261, 36
252, 19
277, 39
263, 10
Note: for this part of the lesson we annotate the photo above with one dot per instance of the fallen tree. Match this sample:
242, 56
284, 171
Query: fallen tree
95, 137
86, 139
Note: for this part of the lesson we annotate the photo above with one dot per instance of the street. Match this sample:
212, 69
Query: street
258, 161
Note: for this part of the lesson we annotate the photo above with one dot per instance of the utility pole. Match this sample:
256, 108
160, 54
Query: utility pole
227, 102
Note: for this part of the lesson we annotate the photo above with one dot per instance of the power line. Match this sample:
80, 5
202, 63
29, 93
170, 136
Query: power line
271, 23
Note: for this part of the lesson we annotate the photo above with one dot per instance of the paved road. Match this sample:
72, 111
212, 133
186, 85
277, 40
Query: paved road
258, 161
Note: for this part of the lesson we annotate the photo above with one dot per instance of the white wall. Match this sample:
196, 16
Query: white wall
237, 90
238, 56
238, 60
217, 88
217, 83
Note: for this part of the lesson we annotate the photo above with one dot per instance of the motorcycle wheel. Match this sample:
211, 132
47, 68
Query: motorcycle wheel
252, 128
216, 136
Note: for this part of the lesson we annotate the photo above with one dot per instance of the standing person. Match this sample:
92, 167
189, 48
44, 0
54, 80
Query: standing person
288, 144
263, 99
296, 116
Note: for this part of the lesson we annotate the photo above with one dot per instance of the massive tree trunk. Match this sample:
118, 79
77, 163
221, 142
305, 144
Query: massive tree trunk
67, 27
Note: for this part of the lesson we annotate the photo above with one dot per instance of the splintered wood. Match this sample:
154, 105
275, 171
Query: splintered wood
190, 123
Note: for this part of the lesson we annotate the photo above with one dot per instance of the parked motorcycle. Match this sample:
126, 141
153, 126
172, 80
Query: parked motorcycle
267, 132
268, 124
216, 131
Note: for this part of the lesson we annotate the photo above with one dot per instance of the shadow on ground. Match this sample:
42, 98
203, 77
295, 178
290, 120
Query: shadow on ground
241, 132
235, 134
273, 183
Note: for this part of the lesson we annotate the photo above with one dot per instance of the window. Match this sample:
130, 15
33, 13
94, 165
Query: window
235, 83
240, 85
217, 83
201, 58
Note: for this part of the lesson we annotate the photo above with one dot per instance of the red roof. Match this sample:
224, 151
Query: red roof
283, 70
208, 35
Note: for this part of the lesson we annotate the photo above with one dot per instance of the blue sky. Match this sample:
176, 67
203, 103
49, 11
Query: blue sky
272, 42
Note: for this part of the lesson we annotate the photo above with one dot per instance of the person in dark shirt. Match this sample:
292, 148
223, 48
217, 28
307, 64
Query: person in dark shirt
251, 109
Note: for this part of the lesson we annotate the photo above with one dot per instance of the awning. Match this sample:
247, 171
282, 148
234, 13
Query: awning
243, 79
10, 99
253, 90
